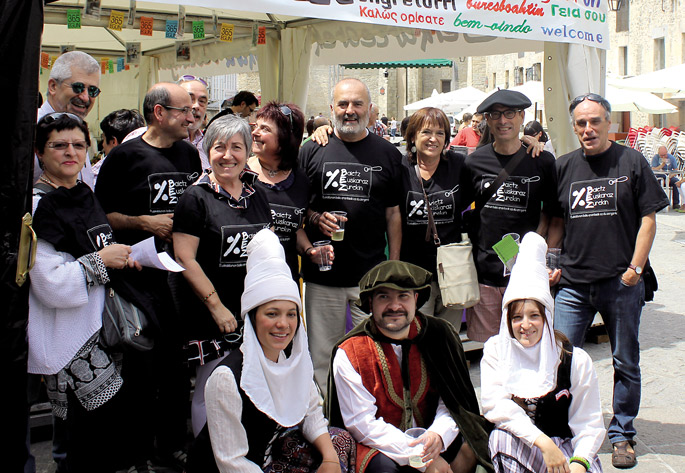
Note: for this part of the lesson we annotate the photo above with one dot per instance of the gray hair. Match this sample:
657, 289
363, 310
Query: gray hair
225, 127
593, 98
61, 69
157, 95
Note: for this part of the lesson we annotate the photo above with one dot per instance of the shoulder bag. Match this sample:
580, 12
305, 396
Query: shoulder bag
123, 324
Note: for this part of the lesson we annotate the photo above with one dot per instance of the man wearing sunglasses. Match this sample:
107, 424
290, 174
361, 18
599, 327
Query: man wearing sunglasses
608, 198
523, 203
72, 88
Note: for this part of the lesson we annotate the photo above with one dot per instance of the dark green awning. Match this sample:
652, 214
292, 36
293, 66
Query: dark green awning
402, 64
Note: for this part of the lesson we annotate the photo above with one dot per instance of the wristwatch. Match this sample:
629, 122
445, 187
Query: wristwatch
637, 269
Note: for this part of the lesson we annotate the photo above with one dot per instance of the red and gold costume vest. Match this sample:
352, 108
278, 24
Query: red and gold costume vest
381, 375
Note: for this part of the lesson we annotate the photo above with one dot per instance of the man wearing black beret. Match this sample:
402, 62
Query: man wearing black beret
523, 202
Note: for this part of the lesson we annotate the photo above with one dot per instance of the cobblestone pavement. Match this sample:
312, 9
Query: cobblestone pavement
661, 421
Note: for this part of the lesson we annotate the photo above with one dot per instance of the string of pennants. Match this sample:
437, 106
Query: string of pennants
174, 29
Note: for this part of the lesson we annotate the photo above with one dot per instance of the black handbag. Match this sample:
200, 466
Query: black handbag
123, 324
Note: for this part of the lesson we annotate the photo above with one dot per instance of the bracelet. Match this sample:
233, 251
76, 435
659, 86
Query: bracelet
209, 295
306, 252
580, 460
314, 218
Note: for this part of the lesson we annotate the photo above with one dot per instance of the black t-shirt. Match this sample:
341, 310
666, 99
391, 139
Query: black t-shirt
603, 199
361, 178
449, 191
514, 208
288, 200
224, 233
139, 179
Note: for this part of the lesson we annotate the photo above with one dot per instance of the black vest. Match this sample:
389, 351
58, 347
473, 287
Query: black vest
551, 413
260, 429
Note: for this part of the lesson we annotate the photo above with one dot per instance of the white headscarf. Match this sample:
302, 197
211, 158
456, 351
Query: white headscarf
529, 372
280, 390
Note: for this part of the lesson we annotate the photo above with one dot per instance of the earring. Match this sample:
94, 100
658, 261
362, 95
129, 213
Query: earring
413, 149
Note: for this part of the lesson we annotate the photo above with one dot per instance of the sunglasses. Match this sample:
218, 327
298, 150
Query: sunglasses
51, 117
592, 97
63, 145
190, 78
496, 115
79, 87
285, 110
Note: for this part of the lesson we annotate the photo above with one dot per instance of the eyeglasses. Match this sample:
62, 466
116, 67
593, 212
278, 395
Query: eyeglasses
183, 110
190, 78
496, 115
285, 110
79, 87
592, 97
56, 115
63, 145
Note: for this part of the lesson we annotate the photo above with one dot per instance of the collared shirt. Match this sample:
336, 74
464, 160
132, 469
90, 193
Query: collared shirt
197, 142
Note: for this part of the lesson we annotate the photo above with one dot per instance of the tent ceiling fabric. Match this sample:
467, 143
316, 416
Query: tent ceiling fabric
421, 63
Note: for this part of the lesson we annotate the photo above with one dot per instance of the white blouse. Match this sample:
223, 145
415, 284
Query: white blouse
358, 410
585, 412
224, 412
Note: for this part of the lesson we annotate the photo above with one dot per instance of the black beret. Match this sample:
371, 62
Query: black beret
507, 98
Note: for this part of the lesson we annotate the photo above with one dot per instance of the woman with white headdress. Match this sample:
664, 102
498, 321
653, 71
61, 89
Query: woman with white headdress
263, 409
539, 391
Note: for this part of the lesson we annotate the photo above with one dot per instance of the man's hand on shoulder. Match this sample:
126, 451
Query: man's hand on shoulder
320, 135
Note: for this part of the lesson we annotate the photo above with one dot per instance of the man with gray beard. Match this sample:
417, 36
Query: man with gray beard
357, 172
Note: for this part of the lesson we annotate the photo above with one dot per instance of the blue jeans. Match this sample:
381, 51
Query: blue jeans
620, 307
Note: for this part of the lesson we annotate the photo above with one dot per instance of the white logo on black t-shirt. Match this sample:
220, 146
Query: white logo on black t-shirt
596, 197
512, 195
347, 181
286, 220
101, 236
234, 240
441, 202
166, 188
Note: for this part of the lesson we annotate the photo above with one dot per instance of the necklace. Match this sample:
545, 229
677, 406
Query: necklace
271, 172
47, 180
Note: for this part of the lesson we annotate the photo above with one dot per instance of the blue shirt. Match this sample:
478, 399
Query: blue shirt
671, 166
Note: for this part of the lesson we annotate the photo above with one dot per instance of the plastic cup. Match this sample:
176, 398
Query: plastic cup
339, 234
552, 258
325, 264
416, 453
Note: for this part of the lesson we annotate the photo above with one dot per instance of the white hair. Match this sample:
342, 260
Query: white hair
62, 68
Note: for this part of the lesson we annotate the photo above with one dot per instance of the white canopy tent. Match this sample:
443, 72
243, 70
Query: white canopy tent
318, 36
450, 102
625, 100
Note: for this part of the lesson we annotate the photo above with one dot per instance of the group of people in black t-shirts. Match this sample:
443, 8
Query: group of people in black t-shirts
235, 325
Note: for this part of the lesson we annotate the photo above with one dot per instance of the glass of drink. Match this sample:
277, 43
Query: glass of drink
325, 261
341, 218
416, 454
552, 258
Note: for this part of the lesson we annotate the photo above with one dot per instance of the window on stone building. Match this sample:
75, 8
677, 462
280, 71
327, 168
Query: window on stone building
494, 79
518, 76
445, 85
506, 79
534, 72
659, 53
623, 16
623, 60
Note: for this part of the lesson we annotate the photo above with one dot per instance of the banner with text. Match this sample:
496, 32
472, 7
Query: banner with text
564, 21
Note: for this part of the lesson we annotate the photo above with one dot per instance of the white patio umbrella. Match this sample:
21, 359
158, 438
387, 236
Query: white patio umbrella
625, 100
669, 80
450, 102
427, 102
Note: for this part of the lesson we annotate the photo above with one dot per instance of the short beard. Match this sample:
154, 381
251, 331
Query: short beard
350, 130
395, 327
